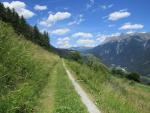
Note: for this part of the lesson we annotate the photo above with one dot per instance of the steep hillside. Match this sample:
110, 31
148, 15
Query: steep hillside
33, 80
24, 69
29, 75
131, 51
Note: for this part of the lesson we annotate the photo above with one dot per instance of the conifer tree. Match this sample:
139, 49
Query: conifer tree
22, 27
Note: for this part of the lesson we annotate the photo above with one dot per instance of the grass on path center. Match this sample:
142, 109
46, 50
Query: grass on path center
46, 101
59, 96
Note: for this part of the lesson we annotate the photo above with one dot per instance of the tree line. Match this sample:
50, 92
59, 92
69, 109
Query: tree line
22, 27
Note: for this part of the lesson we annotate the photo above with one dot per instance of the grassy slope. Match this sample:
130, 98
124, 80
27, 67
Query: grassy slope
24, 69
111, 94
28, 72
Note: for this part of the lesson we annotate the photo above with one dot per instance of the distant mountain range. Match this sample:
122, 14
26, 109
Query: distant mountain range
127, 50
80, 48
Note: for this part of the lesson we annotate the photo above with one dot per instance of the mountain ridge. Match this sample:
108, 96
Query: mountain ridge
80, 48
131, 51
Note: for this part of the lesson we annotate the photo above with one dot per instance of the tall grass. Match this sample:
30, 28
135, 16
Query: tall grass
24, 69
59, 95
111, 94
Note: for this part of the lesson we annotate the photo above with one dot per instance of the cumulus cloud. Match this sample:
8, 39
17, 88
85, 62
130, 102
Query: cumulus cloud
82, 35
63, 42
53, 18
118, 15
20, 8
77, 20
86, 42
40, 7
129, 26
60, 31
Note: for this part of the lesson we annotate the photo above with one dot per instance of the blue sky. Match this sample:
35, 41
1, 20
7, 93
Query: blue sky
84, 22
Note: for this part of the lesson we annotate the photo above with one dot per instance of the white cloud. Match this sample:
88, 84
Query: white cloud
77, 20
86, 42
60, 31
115, 34
20, 8
53, 18
118, 15
63, 42
90, 4
82, 35
129, 26
40, 7
104, 7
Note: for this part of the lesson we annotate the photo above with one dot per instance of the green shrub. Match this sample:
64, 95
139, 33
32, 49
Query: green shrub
133, 76
76, 56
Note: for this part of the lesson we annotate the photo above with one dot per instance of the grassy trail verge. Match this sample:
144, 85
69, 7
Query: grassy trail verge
59, 95
112, 95
92, 108
46, 101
